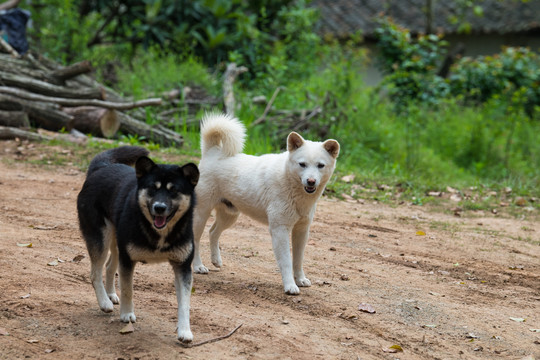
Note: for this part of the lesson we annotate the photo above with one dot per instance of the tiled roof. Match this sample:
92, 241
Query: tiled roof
341, 18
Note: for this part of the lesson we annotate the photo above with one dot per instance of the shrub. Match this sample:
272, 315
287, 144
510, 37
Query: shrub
410, 65
512, 76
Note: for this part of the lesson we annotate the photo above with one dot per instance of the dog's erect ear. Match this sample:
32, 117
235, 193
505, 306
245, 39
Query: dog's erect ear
191, 172
294, 141
143, 166
332, 146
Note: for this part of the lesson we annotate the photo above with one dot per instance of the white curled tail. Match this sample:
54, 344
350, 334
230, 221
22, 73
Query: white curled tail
224, 131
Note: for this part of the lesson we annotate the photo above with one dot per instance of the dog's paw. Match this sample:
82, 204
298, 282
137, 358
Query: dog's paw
292, 289
216, 261
106, 305
128, 317
114, 298
303, 282
184, 336
200, 269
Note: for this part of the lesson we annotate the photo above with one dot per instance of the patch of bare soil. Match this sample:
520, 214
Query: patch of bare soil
469, 288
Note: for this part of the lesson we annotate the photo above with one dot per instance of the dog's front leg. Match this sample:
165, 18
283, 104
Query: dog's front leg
199, 221
183, 279
126, 271
280, 244
300, 235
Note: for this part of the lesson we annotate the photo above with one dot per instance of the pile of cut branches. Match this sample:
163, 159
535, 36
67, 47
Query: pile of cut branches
36, 92
316, 119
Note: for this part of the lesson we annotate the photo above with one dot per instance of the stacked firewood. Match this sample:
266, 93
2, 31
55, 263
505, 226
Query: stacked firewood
38, 93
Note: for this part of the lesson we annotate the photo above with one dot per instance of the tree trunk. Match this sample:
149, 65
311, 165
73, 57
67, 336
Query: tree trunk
94, 120
68, 72
156, 133
45, 88
79, 102
229, 77
14, 119
45, 115
8, 133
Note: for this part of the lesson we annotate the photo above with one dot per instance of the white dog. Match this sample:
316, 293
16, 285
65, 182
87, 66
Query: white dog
280, 190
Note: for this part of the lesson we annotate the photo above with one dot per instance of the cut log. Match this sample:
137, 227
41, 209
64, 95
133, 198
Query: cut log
68, 72
94, 120
79, 102
9, 133
45, 88
14, 119
74, 136
43, 114
156, 133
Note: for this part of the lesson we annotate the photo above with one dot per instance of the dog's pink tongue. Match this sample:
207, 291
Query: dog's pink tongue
159, 221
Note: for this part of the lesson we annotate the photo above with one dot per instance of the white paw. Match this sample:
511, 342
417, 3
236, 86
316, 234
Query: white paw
185, 336
106, 305
216, 261
127, 317
200, 269
114, 298
292, 289
303, 282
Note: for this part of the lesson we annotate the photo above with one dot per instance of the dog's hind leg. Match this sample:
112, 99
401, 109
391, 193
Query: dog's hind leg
300, 235
200, 217
98, 256
183, 279
112, 266
226, 216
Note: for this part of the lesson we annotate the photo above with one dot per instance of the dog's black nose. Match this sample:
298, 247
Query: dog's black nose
159, 208
311, 182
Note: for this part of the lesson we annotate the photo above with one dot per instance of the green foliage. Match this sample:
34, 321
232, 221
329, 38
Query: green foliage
472, 130
58, 31
273, 39
512, 76
289, 51
152, 72
410, 65
265, 35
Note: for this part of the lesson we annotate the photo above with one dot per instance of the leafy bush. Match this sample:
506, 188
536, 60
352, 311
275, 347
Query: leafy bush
513, 76
486, 139
57, 30
410, 65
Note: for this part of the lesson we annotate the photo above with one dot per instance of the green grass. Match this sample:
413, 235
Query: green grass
426, 150
152, 73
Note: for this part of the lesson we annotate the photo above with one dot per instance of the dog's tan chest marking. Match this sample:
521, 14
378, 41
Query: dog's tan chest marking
179, 254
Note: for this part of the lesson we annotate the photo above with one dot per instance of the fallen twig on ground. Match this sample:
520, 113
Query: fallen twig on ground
190, 345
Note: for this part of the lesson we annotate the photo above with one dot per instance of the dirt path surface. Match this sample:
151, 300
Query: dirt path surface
467, 289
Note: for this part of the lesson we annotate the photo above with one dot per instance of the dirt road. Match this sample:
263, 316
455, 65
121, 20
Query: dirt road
467, 289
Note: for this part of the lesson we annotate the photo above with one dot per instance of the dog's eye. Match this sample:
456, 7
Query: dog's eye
320, 166
302, 164
157, 185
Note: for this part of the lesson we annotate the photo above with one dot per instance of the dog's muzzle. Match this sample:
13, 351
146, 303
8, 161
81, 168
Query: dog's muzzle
159, 212
311, 186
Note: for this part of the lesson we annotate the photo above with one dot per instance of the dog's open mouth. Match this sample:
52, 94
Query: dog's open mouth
160, 222
310, 189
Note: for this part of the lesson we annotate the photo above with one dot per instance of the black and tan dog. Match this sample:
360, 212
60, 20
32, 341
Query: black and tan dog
138, 215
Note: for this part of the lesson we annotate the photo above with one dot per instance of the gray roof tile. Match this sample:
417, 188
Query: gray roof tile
345, 17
